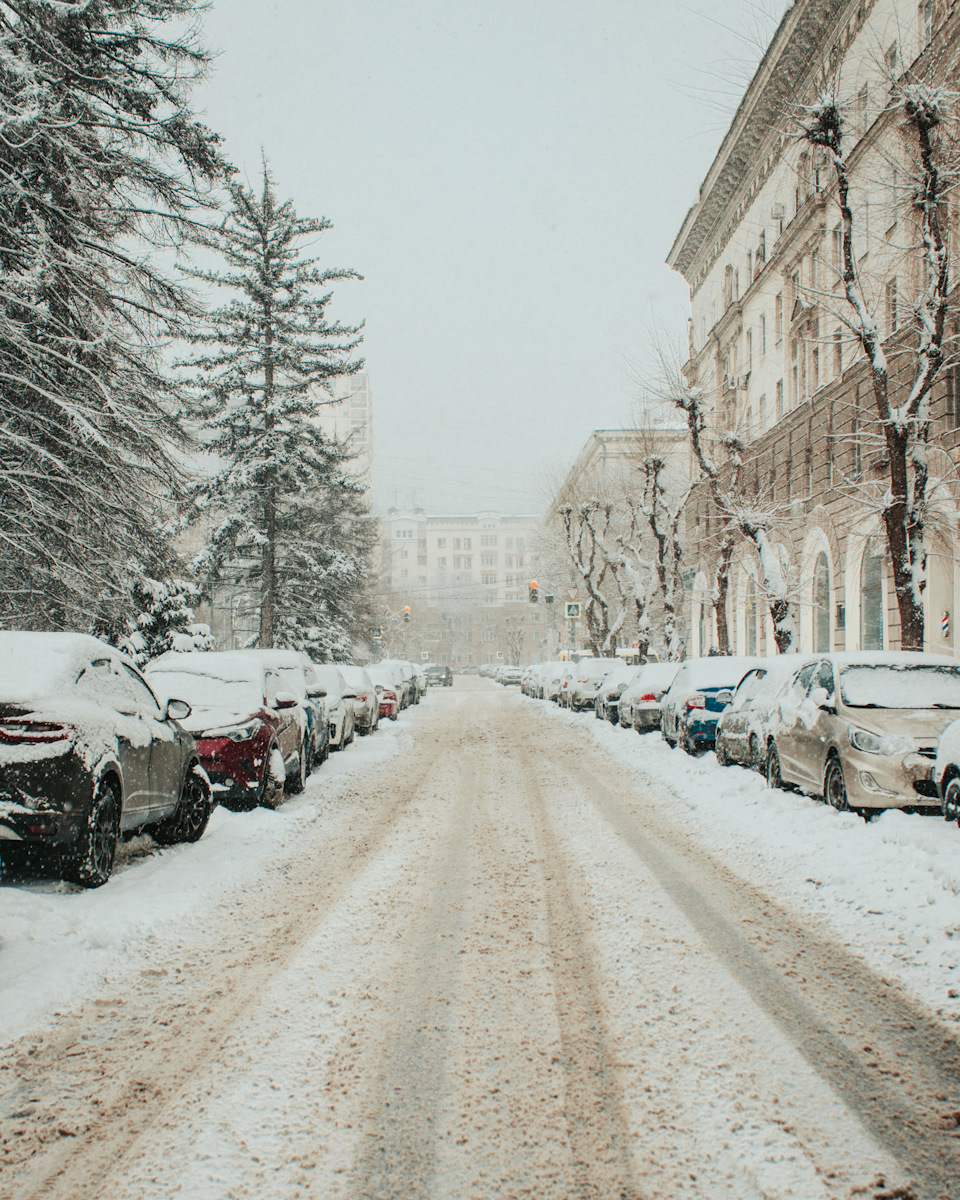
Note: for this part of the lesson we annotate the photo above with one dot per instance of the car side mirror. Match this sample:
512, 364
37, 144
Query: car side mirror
316, 693
179, 710
725, 696
285, 700
349, 695
823, 700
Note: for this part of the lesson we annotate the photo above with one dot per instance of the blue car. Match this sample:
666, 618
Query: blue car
692, 705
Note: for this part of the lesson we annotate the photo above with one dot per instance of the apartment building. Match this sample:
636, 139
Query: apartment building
465, 580
347, 416
770, 348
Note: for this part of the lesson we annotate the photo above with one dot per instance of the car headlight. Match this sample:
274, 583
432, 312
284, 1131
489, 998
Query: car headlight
236, 733
890, 744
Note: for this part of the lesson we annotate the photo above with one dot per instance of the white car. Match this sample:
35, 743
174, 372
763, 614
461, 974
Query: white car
340, 702
587, 676
366, 705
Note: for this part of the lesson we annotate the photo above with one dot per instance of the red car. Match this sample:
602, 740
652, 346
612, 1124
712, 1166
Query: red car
248, 735
387, 691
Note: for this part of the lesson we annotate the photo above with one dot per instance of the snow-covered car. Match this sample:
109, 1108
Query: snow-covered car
511, 676
640, 701
562, 696
248, 733
366, 705
340, 705
946, 771
701, 690
297, 675
438, 675
549, 680
744, 725
406, 678
861, 729
87, 753
606, 706
586, 678
388, 690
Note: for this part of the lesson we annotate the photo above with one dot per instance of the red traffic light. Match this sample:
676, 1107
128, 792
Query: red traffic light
533, 591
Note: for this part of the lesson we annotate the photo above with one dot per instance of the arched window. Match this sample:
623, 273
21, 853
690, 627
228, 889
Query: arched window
750, 604
871, 596
821, 605
704, 629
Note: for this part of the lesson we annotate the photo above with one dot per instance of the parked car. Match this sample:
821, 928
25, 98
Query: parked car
744, 725
438, 675
88, 753
511, 676
640, 701
249, 734
946, 771
861, 729
549, 680
340, 704
297, 675
606, 706
387, 691
587, 676
701, 690
366, 704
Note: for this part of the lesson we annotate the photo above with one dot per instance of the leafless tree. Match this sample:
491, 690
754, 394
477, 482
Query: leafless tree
664, 514
902, 375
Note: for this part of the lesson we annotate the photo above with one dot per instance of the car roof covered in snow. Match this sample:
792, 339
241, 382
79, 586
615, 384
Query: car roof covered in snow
35, 665
220, 664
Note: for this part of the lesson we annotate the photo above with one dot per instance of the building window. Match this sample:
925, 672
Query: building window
509, 543
488, 560
779, 409
457, 563
519, 560
863, 109
456, 543
762, 414
761, 252
488, 539
441, 543
926, 22
837, 353
778, 317
468, 561
442, 562
468, 543
763, 334
871, 596
727, 286
821, 605
749, 349
891, 306
488, 577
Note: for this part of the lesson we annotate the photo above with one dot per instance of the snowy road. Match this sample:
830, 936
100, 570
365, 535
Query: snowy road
492, 963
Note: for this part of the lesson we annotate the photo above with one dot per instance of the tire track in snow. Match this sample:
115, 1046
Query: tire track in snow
894, 1066
97, 1086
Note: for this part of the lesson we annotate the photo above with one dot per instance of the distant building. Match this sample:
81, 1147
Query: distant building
466, 582
348, 417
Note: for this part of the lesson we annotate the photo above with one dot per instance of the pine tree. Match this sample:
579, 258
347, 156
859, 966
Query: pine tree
163, 620
285, 519
99, 160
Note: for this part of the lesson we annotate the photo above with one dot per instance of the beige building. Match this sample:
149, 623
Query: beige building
466, 582
769, 350
348, 418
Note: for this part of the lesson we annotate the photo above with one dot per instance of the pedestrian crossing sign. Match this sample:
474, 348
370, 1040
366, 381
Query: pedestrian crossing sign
572, 610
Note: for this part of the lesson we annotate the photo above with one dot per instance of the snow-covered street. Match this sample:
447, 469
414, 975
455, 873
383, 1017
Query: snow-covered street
495, 949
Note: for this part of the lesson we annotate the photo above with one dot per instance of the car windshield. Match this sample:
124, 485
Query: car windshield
900, 685
206, 691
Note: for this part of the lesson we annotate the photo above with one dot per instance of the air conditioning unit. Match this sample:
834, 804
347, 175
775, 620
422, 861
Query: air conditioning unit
777, 213
743, 382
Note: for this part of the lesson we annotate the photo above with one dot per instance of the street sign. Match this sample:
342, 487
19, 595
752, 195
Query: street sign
572, 593
499, 654
572, 612
377, 634
424, 655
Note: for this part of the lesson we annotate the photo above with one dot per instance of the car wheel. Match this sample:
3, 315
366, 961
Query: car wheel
271, 788
298, 781
90, 862
773, 773
721, 753
192, 815
834, 789
951, 800
755, 760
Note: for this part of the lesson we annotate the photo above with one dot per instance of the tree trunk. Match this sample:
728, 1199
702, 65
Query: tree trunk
720, 595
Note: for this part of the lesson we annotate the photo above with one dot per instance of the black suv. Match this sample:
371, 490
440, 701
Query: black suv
438, 676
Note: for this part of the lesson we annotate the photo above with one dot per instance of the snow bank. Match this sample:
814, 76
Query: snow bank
59, 943
889, 889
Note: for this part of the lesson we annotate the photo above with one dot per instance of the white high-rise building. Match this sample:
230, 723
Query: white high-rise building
348, 417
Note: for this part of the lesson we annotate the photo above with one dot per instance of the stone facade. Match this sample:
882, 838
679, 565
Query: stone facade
769, 350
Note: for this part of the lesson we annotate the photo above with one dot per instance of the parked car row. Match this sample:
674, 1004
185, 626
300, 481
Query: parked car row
863, 731
93, 750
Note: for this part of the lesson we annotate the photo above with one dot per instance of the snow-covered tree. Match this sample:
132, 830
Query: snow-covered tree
901, 383
664, 513
282, 513
163, 619
100, 162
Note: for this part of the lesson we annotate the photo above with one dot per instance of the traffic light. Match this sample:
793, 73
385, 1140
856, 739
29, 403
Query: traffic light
534, 594
406, 614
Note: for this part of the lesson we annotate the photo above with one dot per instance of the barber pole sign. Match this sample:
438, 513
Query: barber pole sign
945, 624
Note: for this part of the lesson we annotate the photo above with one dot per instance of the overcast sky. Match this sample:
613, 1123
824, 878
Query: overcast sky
508, 176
